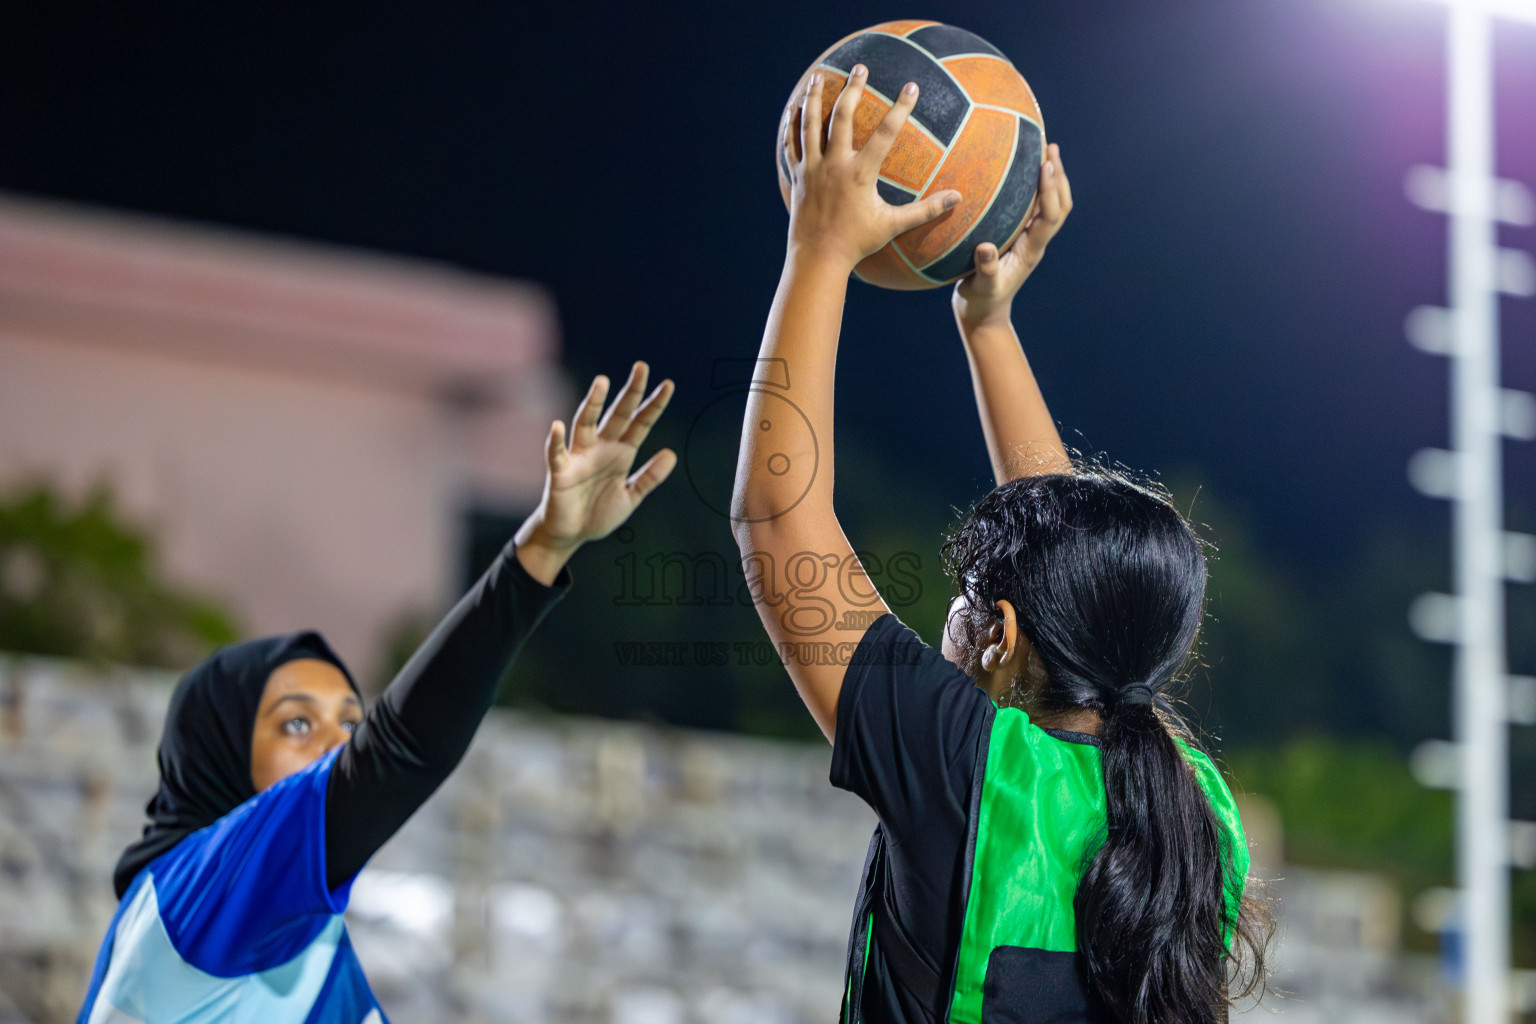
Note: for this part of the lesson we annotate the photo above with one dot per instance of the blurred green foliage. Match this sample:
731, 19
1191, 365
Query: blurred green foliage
1353, 803
78, 581
1347, 803
1292, 650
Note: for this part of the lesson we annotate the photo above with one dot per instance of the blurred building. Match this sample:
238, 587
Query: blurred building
305, 429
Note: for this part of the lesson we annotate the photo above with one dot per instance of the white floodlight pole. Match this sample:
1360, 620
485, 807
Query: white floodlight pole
1482, 809
1471, 475
1475, 200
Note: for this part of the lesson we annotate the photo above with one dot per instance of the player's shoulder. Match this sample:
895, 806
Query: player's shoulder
891, 643
901, 698
288, 798
262, 842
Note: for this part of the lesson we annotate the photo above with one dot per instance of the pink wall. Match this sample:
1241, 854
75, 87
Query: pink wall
288, 419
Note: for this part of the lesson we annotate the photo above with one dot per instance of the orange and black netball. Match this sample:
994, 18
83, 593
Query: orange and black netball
976, 128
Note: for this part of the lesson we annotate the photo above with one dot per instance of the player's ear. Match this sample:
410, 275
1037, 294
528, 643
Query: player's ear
1009, 641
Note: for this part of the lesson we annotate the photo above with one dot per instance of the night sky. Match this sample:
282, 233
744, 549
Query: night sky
1224, 306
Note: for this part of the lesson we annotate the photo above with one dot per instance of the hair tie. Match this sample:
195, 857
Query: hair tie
1133, 695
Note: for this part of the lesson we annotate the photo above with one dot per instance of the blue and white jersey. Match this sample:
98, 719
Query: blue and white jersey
235, 924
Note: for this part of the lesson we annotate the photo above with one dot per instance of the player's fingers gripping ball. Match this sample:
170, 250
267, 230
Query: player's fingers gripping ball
976, 129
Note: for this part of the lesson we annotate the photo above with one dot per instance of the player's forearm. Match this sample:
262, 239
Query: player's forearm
419, 729
1021, 435
801, 338
785, 525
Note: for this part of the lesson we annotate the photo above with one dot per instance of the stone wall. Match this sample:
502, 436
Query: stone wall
570, 870
576, 871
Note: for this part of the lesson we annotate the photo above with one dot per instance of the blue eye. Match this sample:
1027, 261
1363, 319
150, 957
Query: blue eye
296, 726
349, 726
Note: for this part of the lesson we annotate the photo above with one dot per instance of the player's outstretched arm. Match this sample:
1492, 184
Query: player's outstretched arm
415, 734
788, 535
1021, 436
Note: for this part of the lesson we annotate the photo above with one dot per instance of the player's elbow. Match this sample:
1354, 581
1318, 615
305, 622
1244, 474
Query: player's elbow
749, 534
746, 501
754, 523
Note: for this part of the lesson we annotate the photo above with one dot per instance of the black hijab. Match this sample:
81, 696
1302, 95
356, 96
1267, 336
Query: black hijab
205, 752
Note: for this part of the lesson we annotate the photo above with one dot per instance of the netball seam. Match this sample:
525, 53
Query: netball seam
910, 120
991, 201
1015, 113
940, 165
895, 242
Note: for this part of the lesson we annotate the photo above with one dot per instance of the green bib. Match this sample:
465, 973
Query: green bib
1039, 822
1037, 819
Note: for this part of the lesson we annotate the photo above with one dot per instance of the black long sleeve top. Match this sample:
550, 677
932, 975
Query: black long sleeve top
418, 731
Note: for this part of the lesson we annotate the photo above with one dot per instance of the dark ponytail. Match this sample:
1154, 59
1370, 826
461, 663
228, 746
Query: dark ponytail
1108, 582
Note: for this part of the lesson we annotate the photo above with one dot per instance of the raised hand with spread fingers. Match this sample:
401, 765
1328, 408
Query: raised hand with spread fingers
833, 203
589, 489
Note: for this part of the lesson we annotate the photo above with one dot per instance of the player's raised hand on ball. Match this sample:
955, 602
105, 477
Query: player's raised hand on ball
987, 295
589, 489
834, 208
